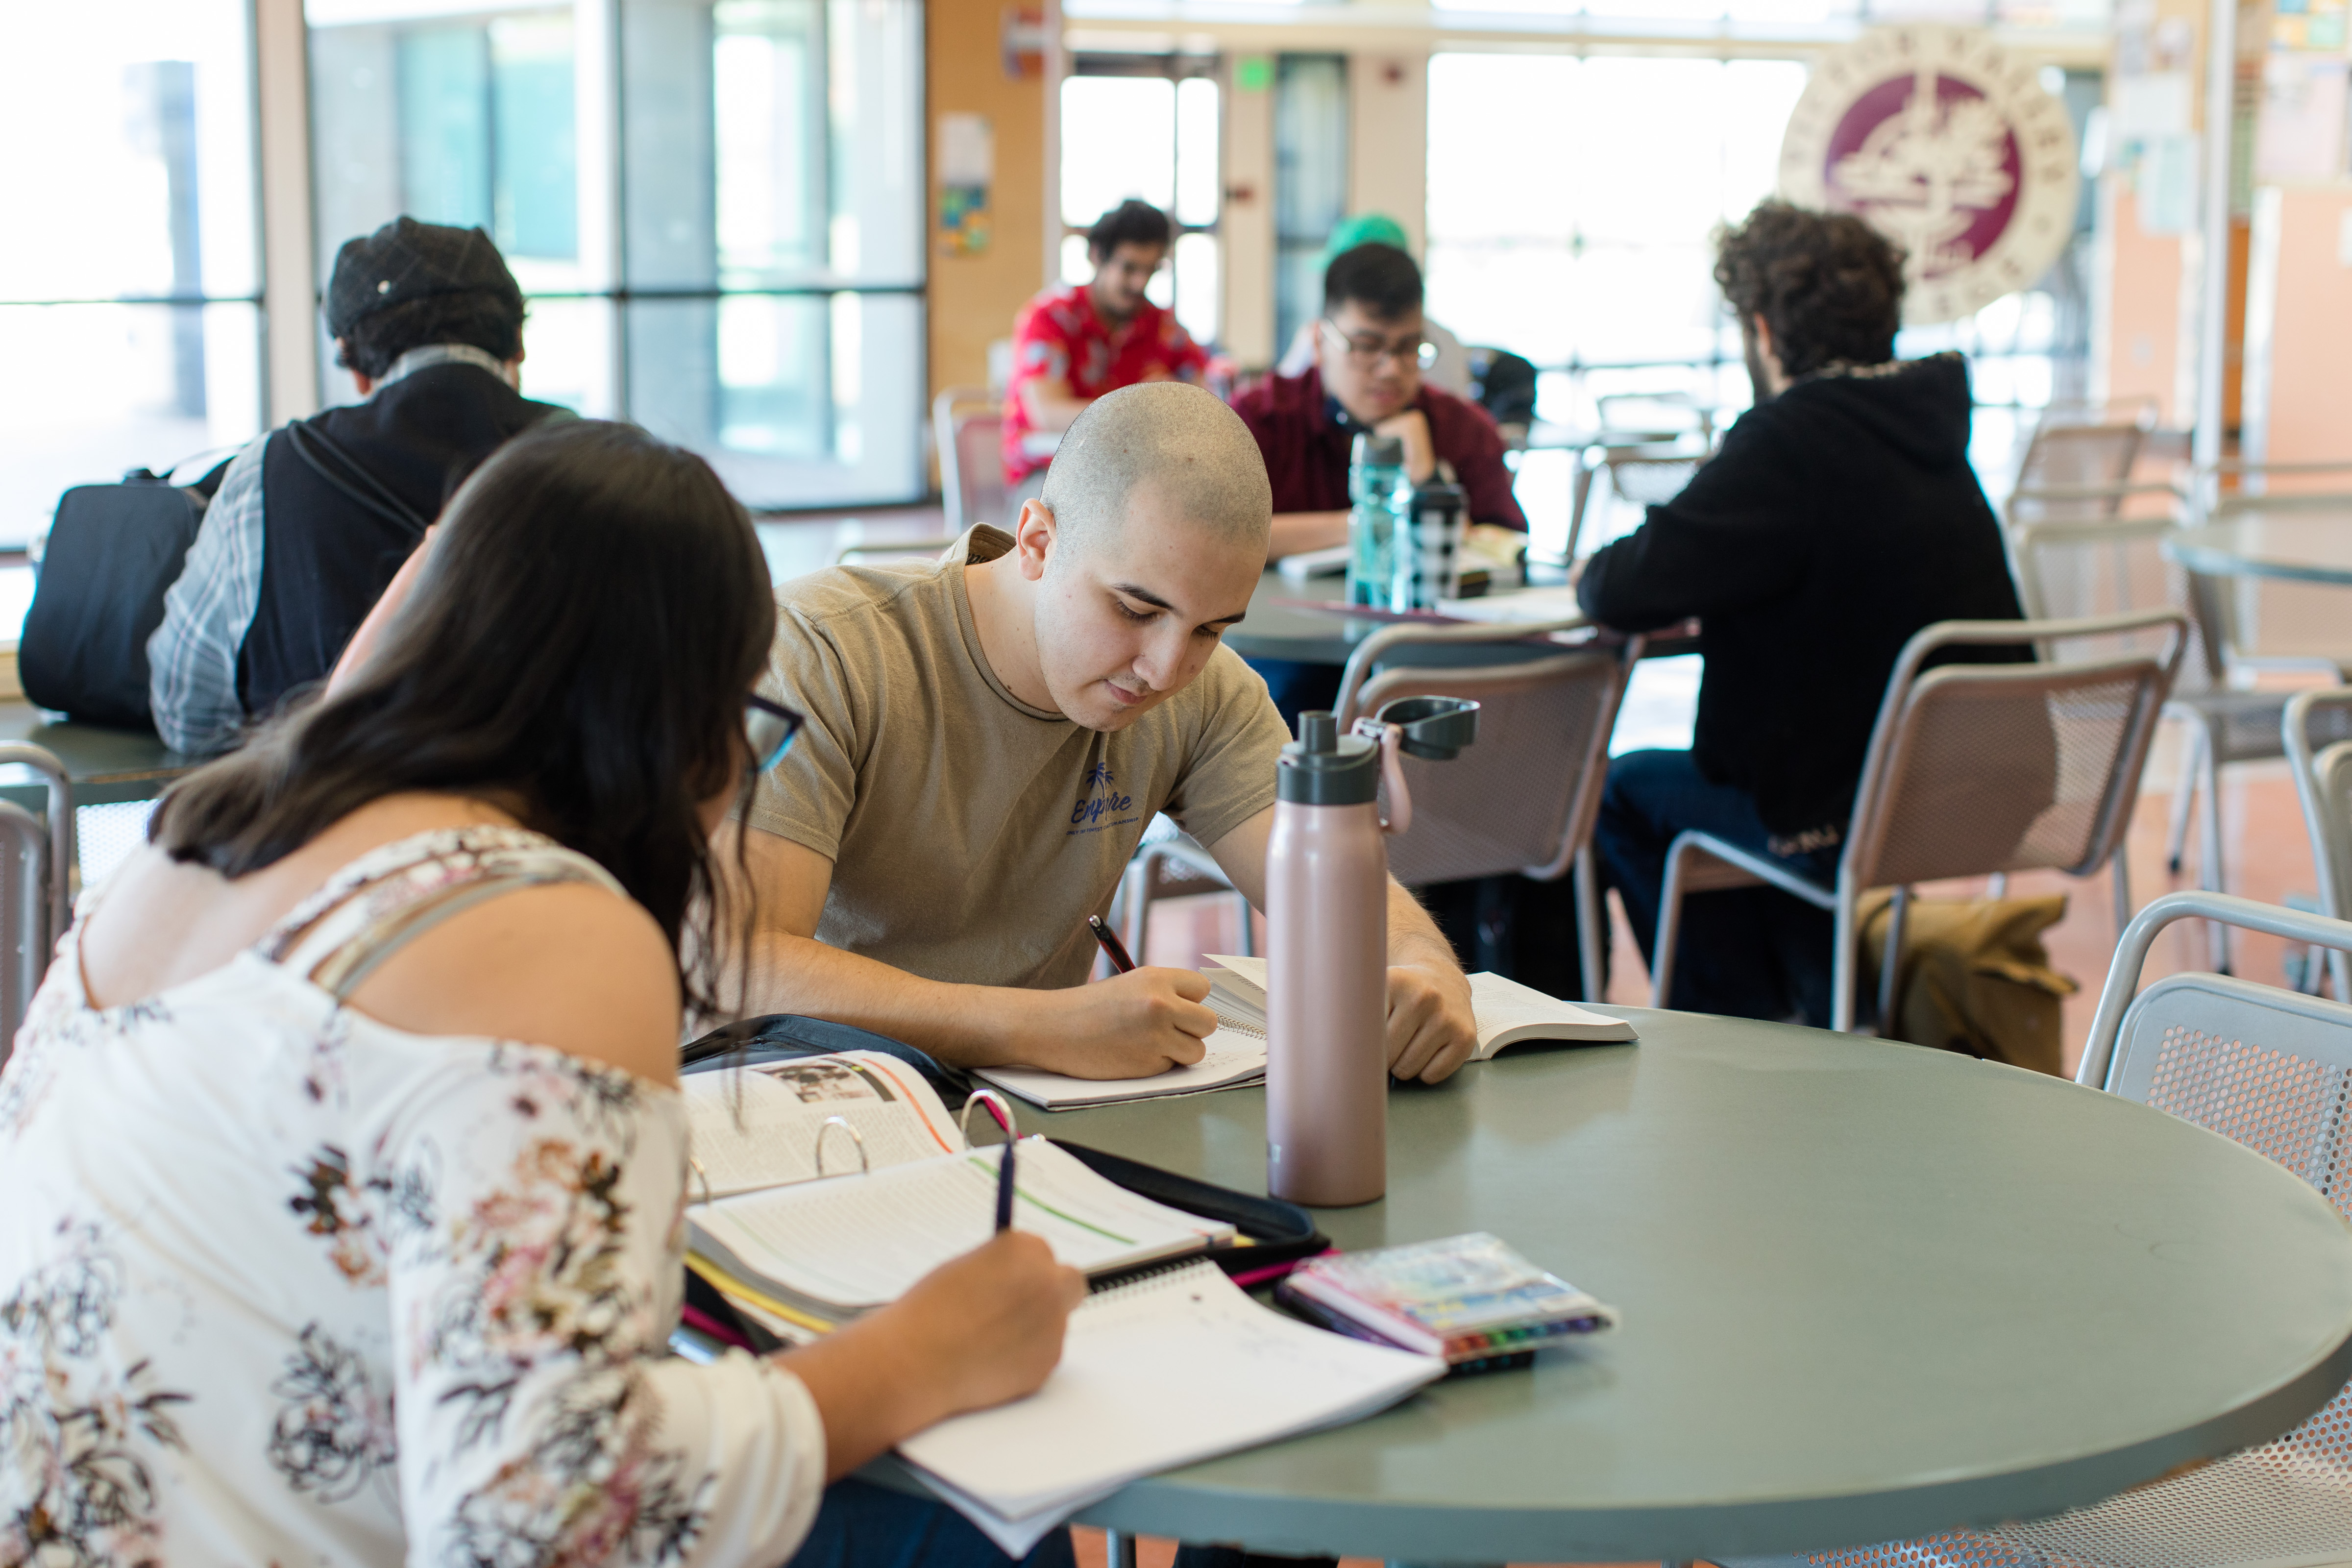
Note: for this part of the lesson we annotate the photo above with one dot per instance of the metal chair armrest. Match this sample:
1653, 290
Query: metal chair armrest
1369, 651
892, 547
1698, 863
2131, 954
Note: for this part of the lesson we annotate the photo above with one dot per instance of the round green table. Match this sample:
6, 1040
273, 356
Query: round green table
2301, 544
1869, 1291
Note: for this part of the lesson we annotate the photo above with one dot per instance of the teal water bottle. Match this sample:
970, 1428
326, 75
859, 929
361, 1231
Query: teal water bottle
1383, 496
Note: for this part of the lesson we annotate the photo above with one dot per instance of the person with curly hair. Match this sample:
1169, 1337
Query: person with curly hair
1840, 518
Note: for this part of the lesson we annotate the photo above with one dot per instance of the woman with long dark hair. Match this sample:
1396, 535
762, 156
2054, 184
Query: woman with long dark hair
343, 1156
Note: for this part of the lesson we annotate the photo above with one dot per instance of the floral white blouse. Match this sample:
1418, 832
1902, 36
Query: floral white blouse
280, 1285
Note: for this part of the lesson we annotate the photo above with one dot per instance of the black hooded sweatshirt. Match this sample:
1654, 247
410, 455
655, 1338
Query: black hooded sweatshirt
1839, 518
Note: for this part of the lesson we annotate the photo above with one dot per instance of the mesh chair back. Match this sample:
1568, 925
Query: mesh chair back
2321, 723
2075, 569
2070, 450
967, 425
1652, 480
1975, 769
1651, 415
1638, 477
1524, 797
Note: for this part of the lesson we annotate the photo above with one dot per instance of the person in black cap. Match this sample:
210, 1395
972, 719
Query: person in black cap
311, 520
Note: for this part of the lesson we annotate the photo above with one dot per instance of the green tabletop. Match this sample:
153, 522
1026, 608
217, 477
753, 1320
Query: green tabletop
1869, 1291
1276, 630
2307, 544
106, 765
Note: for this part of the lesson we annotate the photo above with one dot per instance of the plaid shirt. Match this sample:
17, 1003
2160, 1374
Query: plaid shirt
191, 657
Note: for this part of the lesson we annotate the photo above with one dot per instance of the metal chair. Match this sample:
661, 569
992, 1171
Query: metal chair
2323, 781
1973, 770
1525, 798
1170, 864
2084, 445
2074, 556
1646, 476
849, 552
37, 874
967, 425
2265, 1067
1653, 417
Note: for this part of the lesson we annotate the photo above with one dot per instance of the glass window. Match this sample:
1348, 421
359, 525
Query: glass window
130, 305
1147, 128
757, 291
1310, 182
1595, 259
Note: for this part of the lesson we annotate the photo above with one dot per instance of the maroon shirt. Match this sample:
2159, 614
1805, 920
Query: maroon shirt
1305, 438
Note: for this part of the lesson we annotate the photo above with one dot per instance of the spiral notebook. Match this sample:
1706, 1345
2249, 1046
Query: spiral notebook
1163, 1370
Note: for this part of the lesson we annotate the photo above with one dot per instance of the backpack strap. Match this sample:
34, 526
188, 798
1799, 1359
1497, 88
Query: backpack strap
342, 471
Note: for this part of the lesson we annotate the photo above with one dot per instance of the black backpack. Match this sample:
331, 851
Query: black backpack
1504, 385
113, 552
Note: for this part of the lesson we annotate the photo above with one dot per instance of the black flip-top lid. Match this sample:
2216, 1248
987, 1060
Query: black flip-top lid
1436, 727
1323, 767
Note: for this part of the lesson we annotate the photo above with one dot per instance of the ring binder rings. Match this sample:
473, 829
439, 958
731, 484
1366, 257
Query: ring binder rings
865, 1163
996, 1108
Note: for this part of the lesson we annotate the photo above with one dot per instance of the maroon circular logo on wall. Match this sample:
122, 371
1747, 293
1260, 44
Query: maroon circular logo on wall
1950, 147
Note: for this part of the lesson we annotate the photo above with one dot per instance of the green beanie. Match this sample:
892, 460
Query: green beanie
1364, 228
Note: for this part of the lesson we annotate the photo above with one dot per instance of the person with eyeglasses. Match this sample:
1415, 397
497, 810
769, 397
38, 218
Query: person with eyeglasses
342, 1146
1372, 352
1448, 364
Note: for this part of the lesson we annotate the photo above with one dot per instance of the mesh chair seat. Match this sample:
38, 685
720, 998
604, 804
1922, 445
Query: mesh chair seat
2269, 1069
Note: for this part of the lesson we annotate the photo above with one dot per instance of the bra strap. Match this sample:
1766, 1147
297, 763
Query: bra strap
344, 968
391, 896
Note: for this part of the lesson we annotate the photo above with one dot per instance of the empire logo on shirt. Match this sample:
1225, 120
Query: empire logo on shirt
1102, 801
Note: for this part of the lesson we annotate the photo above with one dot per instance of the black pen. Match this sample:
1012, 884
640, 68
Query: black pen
1004, 1187
1110, 944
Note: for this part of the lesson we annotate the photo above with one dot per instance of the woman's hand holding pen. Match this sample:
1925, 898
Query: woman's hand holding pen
975, 1331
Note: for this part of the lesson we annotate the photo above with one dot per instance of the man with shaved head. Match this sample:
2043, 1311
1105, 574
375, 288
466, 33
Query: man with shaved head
988, 735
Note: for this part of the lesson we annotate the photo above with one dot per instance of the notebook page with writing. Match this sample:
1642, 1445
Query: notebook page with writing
1162, 1372
855, 1242
757, 1126
1228, 1057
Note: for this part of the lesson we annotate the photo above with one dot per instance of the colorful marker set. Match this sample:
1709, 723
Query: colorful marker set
1470, 1298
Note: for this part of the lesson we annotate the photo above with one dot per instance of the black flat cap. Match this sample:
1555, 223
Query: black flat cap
407, 260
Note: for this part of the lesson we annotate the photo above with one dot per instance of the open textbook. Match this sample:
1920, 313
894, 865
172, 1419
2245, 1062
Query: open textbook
1161, 1370
806, 1254
1506, 1011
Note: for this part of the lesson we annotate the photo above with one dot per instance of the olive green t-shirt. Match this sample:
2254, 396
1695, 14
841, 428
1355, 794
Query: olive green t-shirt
971, 833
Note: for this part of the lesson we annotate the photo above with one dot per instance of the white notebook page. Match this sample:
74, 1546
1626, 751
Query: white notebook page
858, 1241
1167, 1370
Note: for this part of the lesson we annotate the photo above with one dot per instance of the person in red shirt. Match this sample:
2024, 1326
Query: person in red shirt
1370, 354
1072, 344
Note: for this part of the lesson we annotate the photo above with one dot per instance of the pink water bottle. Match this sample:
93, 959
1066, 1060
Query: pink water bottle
1327, 911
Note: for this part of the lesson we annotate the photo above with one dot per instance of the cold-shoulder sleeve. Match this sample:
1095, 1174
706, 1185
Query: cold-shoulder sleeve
531, 1206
